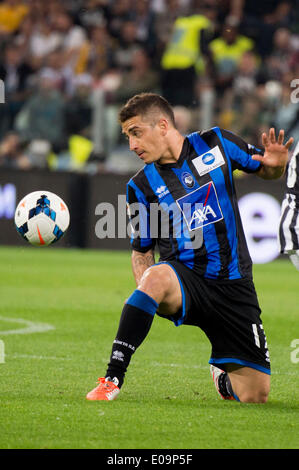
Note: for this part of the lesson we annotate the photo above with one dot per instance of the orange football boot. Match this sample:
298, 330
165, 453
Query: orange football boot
106, 390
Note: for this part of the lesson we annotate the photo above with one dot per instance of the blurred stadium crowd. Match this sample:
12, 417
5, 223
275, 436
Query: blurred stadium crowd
68, 66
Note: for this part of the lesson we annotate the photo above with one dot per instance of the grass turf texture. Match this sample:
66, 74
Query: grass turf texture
168, 400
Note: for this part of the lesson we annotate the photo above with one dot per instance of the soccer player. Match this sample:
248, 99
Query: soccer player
289, 221
204, 275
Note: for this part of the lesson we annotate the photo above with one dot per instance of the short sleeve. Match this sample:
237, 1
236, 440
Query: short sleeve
240, 152
138, 210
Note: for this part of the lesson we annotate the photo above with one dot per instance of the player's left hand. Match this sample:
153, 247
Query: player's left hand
275, 156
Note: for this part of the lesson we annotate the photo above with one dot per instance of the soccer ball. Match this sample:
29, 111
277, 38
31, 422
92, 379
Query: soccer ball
42, 218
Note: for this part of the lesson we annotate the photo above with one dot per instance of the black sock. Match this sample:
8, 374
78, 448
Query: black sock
135, 322
225, 386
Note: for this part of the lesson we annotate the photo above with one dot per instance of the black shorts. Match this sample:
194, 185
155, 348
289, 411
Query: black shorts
229, 314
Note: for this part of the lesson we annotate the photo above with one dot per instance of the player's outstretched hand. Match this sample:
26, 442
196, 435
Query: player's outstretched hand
275, 156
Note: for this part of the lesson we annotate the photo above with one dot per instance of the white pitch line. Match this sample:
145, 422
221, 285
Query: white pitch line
154, 364
189, 366
171, 365
31, 327
30, 356
194, 366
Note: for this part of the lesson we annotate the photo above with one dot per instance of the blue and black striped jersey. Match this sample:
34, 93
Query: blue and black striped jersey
189, 209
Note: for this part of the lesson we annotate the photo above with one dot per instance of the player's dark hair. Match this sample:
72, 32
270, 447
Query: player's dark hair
144, 103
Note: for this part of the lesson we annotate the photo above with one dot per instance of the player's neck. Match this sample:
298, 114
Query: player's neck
174, 148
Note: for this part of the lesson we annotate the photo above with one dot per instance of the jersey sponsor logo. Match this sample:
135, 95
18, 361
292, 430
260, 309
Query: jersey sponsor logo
201, 207
187, 180
208, 158
208, 161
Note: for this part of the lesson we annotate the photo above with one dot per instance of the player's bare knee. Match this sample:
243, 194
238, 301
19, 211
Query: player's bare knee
254, 396
156, 282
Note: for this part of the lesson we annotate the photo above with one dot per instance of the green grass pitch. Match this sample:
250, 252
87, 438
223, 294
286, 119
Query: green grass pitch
168, 400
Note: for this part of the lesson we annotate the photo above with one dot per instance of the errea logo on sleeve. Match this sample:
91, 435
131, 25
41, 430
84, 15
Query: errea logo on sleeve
208, 161
162, 191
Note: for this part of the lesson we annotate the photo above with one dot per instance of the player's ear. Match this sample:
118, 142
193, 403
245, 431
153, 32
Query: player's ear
163, 125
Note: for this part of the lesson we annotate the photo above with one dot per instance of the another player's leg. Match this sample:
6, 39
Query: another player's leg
159, 286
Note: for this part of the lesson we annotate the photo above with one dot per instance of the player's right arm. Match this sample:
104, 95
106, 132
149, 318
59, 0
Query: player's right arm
143, 246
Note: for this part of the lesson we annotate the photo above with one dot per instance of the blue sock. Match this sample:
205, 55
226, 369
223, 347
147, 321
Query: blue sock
143, 301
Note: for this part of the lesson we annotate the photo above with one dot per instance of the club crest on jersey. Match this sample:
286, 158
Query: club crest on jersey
208, 161
187, 180
200, 207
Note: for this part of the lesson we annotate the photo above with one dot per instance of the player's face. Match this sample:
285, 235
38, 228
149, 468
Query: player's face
146, 139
